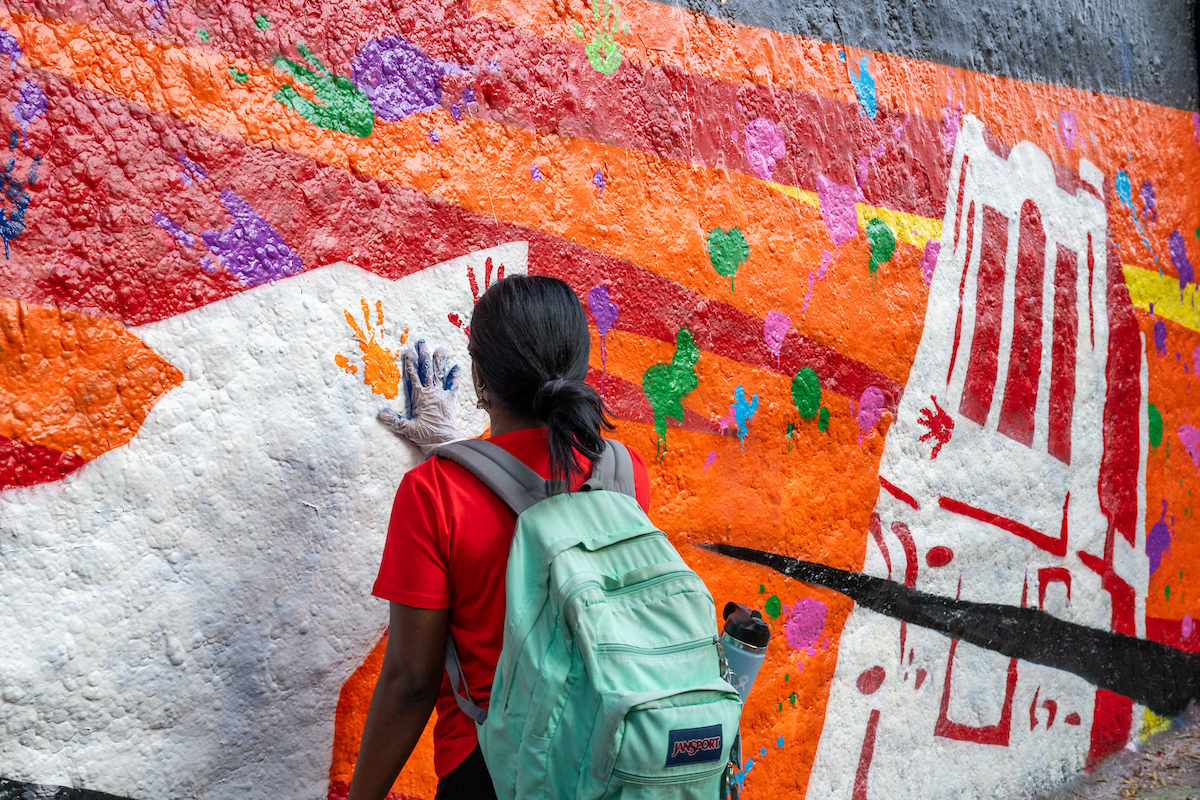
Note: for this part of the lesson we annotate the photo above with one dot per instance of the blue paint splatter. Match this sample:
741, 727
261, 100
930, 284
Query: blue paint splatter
1179, 258
1125, 192
780, 742
13, 137
1160, 337
749, 765
250, 248
12, 220
741, 411
762, 751
172, 227
864, 87
10, 47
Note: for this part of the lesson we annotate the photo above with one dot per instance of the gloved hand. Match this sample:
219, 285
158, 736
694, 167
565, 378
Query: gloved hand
430, 420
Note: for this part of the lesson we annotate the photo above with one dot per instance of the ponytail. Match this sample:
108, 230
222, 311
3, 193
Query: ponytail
530, 341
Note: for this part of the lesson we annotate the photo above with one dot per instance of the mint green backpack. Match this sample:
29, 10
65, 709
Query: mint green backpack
609, 682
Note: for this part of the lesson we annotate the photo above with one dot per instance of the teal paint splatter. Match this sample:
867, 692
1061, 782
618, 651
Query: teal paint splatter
261, 22
203, 34
341, 106
864, 86
603, 52
883, 246
1125, 193
806, 392
238, 75
727, 251
666, 385
741, 411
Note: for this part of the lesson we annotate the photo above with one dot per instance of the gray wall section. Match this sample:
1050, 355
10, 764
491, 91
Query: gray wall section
1137, 49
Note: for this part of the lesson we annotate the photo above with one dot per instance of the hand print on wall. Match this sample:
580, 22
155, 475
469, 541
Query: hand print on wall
341, 106
487, 282
603, 51
380, 370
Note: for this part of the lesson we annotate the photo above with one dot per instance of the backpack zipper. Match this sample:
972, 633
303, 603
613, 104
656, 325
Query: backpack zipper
614, 647
683, 572
658, 779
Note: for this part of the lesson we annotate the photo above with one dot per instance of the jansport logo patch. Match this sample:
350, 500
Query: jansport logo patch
694, 745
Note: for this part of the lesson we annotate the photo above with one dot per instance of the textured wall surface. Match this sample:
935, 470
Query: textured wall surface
940, 325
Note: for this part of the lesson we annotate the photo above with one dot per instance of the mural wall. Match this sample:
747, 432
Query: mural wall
931, 327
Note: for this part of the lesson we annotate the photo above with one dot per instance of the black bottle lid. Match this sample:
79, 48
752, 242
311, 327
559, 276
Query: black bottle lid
745, 625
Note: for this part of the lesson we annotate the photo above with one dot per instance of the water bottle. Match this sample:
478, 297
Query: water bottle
745, 639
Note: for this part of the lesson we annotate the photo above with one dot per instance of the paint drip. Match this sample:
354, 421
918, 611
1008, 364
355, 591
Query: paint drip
775, 329
805, 623
1179, 258
605, 311
870, 409
1158, 540
1189, 437
1068, 128
837, 210
764, 145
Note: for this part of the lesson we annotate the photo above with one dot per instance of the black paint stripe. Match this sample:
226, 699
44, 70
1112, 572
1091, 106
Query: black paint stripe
19, 790
1142, 50
1156, 675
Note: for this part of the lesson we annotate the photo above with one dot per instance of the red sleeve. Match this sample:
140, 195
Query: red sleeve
413, 571
641, 480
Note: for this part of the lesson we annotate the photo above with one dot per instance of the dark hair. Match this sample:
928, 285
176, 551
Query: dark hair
529, 338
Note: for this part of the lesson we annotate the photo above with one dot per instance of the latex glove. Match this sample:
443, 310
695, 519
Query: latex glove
430, 391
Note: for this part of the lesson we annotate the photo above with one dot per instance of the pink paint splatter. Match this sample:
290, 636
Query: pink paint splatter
951, 123
1186, 626
1068, 128
1190, 437
764, 146
708, 462
805, 624
870, 409
827, 259
808, 296
776, 327
837, 210
929, 260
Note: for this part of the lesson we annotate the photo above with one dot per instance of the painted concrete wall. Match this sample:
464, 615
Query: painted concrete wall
942, 325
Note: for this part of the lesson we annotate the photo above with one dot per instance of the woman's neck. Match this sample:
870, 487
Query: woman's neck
502, 421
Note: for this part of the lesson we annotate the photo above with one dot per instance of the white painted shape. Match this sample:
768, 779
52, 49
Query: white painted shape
181, 613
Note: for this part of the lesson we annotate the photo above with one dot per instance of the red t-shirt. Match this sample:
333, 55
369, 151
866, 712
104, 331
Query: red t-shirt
447, 547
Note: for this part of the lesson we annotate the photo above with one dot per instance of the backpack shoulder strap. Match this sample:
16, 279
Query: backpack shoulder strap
613, 471
502, 472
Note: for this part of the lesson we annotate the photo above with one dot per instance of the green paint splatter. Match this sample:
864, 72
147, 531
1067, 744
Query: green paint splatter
341, 107
792, 699
1167, 592
806, 392
773, 607
603, 52
781, 706
261, 22
785, 677
238, 75
727, 250
1156, 425
666, 385
203, 34
761, 588
823, 420
791, 428
883, 245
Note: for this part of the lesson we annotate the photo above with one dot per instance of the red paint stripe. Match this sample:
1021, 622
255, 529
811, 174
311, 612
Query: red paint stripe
864, 757
962, 183
898, 493
627, 401
26, 464
1025, 355
876, 529
1049, 575
1063, 355
962, 287
979, 734
1051, 545
901, 532
1118, 482
989, 309
1170, 631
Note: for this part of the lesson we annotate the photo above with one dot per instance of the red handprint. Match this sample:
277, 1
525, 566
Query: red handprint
941, 426
487, 282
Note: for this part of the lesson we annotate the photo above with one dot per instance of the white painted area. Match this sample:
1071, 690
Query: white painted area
981, 467
180, 615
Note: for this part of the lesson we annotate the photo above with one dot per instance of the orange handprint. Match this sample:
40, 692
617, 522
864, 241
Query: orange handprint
380, 370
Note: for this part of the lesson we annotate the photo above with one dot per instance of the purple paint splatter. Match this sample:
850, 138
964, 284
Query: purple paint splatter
605, 311
10, 47
870, 409
708, 462
1068, 128
158, 13
807, 296
929, 260
598, 181
1190, 438
208, 265
1149, 202
172, 227
1160, 337
775, 328
1158, 540
805, 623
434, 138
837, 210
30, 105
468, 95
764, 146
250, 248
397, 78
456, 112
1196, 128
1179, 258
535, 172
191, 166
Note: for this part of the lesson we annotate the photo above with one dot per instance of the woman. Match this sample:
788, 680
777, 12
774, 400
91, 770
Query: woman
448, 539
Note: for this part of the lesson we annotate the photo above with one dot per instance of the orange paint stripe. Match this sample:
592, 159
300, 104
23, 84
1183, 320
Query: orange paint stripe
1159, 138
664, 208
74, 383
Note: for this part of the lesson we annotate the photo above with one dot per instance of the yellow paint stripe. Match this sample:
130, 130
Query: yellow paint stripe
911, 228
1147, 287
